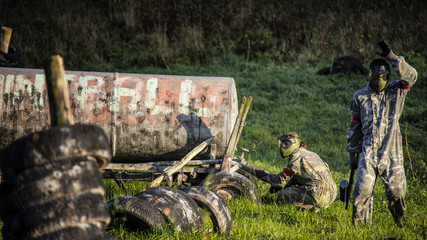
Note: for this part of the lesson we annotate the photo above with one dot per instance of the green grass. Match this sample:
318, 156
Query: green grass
291, 97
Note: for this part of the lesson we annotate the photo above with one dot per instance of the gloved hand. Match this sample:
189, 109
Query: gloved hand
353, 161
261, 174
274, 189
386, 51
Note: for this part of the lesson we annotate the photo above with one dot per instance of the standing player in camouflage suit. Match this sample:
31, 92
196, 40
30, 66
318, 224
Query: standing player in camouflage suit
374, 132
310, 184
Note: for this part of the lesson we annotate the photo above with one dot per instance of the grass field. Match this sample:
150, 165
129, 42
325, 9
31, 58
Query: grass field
291, 97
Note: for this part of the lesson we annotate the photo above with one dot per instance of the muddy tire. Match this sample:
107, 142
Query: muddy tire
135, 213
180, 210
233, 184
82, 231
216, 207
55, 144
46, 217
249, 176
174, 216
52, 185
51, 181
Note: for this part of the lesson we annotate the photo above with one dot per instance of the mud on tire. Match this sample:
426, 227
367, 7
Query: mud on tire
51, 181
52, 185
216, 207
43, 218
82, 231
232, 183
135, 213
179, 209
55, 144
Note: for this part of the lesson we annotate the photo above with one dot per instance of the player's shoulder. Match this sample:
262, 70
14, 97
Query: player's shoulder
362, 92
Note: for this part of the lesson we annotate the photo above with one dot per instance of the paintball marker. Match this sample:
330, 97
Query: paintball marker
259, 173
345, 187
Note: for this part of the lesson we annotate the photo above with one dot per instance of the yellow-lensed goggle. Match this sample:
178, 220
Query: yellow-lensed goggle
377, 76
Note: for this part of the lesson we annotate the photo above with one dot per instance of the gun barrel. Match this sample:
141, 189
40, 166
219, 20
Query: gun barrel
350, 185
253, 170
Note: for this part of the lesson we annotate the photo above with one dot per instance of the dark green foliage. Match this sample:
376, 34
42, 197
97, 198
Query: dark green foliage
113, 34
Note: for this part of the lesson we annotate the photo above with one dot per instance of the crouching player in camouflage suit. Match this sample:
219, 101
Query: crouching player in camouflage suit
374, 132
310, 184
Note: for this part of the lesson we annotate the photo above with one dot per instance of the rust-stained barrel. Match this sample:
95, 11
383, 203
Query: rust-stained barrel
147, 117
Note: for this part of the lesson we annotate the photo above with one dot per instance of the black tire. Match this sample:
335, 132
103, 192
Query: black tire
249, 176
82, 231
52, 145
135, 213
324, 71
216, 207
232, 182
192, 212
347, 65
11, 57
178, 207
175, 217
47, 217
352, 66
50, 181
6, 233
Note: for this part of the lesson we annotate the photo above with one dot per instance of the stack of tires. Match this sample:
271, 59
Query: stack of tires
52, 187
159, 207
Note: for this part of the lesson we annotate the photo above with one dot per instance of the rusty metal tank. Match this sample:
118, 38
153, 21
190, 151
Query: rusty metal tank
147, 117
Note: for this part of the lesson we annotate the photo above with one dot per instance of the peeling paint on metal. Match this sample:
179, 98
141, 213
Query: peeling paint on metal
147, 117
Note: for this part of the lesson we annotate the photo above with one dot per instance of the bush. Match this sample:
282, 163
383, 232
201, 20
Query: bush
115, 34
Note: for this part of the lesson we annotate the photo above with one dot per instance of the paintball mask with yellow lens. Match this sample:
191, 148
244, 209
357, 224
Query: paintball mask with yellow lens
379, 74
288, 145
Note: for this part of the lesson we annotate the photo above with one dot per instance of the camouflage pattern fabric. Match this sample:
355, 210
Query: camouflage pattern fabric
313, 184
375, 133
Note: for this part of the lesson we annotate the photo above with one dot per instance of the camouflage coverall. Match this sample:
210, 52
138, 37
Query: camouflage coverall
312, 186
374, 132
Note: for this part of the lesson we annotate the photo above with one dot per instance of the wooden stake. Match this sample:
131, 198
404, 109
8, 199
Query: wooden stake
178, 165
237, 131
6, 39
232, 143
59, 103
243, 121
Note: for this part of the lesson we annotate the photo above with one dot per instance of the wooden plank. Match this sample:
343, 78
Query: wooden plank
172, 169
149, 176
158, 165
59, 102
6, 39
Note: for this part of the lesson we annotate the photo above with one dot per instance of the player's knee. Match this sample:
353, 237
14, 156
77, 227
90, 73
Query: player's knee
396, 193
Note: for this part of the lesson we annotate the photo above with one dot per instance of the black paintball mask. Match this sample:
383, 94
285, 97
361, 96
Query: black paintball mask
379, 74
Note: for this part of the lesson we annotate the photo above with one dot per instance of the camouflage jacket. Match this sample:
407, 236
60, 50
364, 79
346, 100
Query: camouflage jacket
307, 169
374, 129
